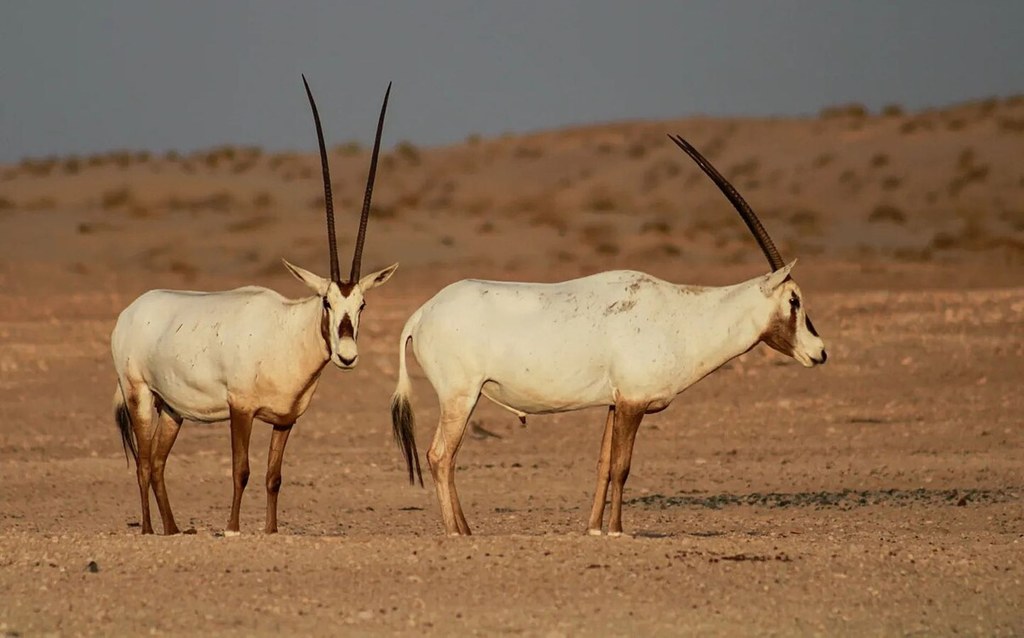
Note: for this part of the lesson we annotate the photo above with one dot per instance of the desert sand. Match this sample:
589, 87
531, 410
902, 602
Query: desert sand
878, 494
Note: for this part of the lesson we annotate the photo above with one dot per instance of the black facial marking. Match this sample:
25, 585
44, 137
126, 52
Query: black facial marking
346, 329
327, 304
810, 326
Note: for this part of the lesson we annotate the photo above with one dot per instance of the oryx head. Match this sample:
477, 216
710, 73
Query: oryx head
343, 300
789, 330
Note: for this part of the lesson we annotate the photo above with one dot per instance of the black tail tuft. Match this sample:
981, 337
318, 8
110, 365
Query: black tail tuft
124, 423
404, 428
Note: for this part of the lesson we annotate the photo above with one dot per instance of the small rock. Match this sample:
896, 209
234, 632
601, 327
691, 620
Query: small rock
93, 567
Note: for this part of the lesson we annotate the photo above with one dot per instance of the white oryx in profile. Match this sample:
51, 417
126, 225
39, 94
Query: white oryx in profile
240, 354
621, 339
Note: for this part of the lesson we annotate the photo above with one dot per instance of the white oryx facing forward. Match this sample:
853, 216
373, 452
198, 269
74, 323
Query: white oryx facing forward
622, 339
240, 354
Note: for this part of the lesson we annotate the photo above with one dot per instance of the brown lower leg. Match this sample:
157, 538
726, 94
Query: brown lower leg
241, 429
603, 468
166, 432
141, 411
278, 440
441, 458
627, 421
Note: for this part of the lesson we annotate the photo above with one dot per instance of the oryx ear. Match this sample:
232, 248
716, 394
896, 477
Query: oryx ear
774, 279
377, 278
316, 283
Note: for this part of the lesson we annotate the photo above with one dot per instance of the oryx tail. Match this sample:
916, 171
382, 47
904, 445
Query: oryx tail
402, 421
123, 419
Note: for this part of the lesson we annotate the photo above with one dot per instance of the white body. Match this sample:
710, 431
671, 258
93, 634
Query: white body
594, 341
200, 353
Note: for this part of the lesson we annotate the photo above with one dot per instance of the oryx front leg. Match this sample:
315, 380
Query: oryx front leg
626, 423
278, 440
241, 429
603, 476
451, 428
168, 425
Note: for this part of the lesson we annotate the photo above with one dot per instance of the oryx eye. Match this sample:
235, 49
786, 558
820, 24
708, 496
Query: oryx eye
327, 304
794, 302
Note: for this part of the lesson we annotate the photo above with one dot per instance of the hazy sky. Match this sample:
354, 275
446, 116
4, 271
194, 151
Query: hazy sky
80, 77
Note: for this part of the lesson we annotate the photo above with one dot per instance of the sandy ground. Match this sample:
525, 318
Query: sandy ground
878, 494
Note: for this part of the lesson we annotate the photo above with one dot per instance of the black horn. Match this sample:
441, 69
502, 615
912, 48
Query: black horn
740, 204
357, 256
332, 240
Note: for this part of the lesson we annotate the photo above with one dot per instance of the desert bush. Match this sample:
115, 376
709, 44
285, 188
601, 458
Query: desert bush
408, 152
636, 150
351, 147
1011, 124
473, 139
254, 222
823, 160
116, 198
528, 152
601, 203
805, 220
6, 204
956, 123
891, 183
892, 110
852, 110
262, 199
659, 226
916, 124
878, 160
40, 203
485, 227
887, 213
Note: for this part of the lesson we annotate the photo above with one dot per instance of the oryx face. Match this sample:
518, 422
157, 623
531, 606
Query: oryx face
790, 330
342, 303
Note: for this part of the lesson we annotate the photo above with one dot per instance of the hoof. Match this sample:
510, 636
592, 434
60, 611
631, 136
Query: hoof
594, 532
231, 533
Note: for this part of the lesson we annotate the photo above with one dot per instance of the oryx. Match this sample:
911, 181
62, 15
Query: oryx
239, 354
621, 339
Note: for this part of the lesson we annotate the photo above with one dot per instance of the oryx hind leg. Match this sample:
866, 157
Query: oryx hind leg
624, 428
451, 428
603, 477
167, 427
140, 403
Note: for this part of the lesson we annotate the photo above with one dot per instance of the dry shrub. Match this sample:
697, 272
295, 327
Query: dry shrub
408, 152
550, 219
607, 248
659, 226
1011, 124
601, 201
473, 139
528, 152
892, 110
351, 147
116, 198
878, 160
72, 165
823, 160
891, 182
485, 227
806, 221
916, 124
6, 204
887, 213
250, 223
38, 167
853, 110
89, 228
956, 123
172, 156
636, 150
187, 270
382, 210
746, 168
262, 199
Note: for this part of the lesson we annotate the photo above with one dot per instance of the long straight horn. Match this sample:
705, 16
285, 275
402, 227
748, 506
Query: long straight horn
332, 240
740, 204
357, 256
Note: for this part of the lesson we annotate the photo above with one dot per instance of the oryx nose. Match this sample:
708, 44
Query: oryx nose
824, 357
347, 362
